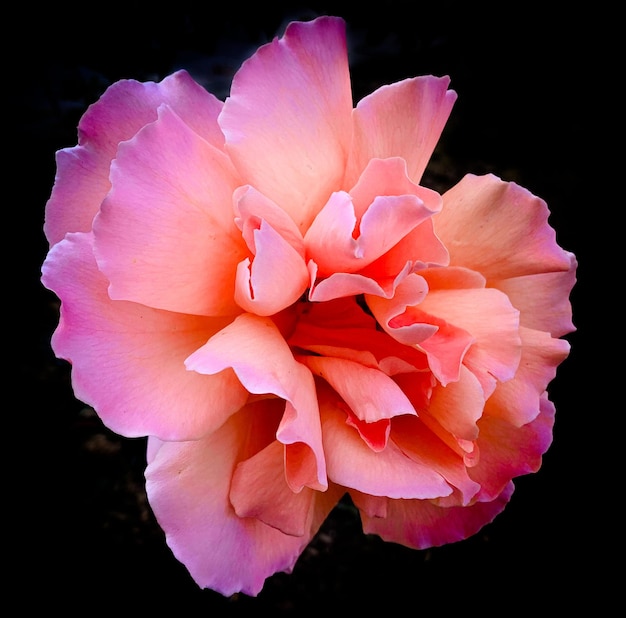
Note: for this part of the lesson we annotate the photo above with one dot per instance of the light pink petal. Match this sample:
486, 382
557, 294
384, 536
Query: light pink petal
165, 235
543, 299
487, 315
287, 121
188, 485
128, 359
419, 443
499, 229
259, 489
369, 393
507, 451
82, 179
276, 278
421, 523
353, 464
254, 349
517, 401
405, 120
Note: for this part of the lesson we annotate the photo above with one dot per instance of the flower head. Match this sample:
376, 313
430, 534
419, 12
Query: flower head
263, 287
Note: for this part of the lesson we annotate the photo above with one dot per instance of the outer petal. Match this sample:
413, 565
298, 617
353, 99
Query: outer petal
165, 235
422, 524
188, 484
82, 179
254, 348
517, 401
400, 120
121, 350
507, 451
287, 122
499, 229
543, 299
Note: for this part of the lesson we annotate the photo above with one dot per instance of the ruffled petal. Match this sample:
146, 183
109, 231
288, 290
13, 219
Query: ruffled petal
419, 443
405, 120
498, 229
369, 393
188, 485
488, 316
353, 464
121, 350
256, 351
287, 121
421, 523
165, 235
508, 451
259, 490
82, 178
518, 401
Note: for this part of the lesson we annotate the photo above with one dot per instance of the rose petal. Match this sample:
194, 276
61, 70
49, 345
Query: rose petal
543, 299
353, 464
421, 523
369, 393
518, 401
188, 484
276, 278
507, 451
165, 235
405, 120
121, 350
419, 443
254, 348
287, 121
259, 490
82, 178
498, 229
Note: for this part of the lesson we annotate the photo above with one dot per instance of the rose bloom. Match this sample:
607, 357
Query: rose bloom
263, 288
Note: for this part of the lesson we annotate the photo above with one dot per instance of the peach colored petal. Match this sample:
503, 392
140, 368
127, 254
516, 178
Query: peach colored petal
369, 393
188, 485
499, 229
421, 523
543, 299
259, 489
276, 278
165, 235
517, 401
508, 451
419, 443
287, 121
488, 316
120, 350
353, 464
254, 349
405, 120
82, 178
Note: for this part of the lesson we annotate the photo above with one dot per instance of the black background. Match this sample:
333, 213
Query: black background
537, 96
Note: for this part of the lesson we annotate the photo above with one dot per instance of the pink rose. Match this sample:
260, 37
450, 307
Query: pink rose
264, 289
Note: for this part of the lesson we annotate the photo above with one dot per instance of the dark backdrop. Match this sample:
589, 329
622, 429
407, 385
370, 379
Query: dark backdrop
533, 90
